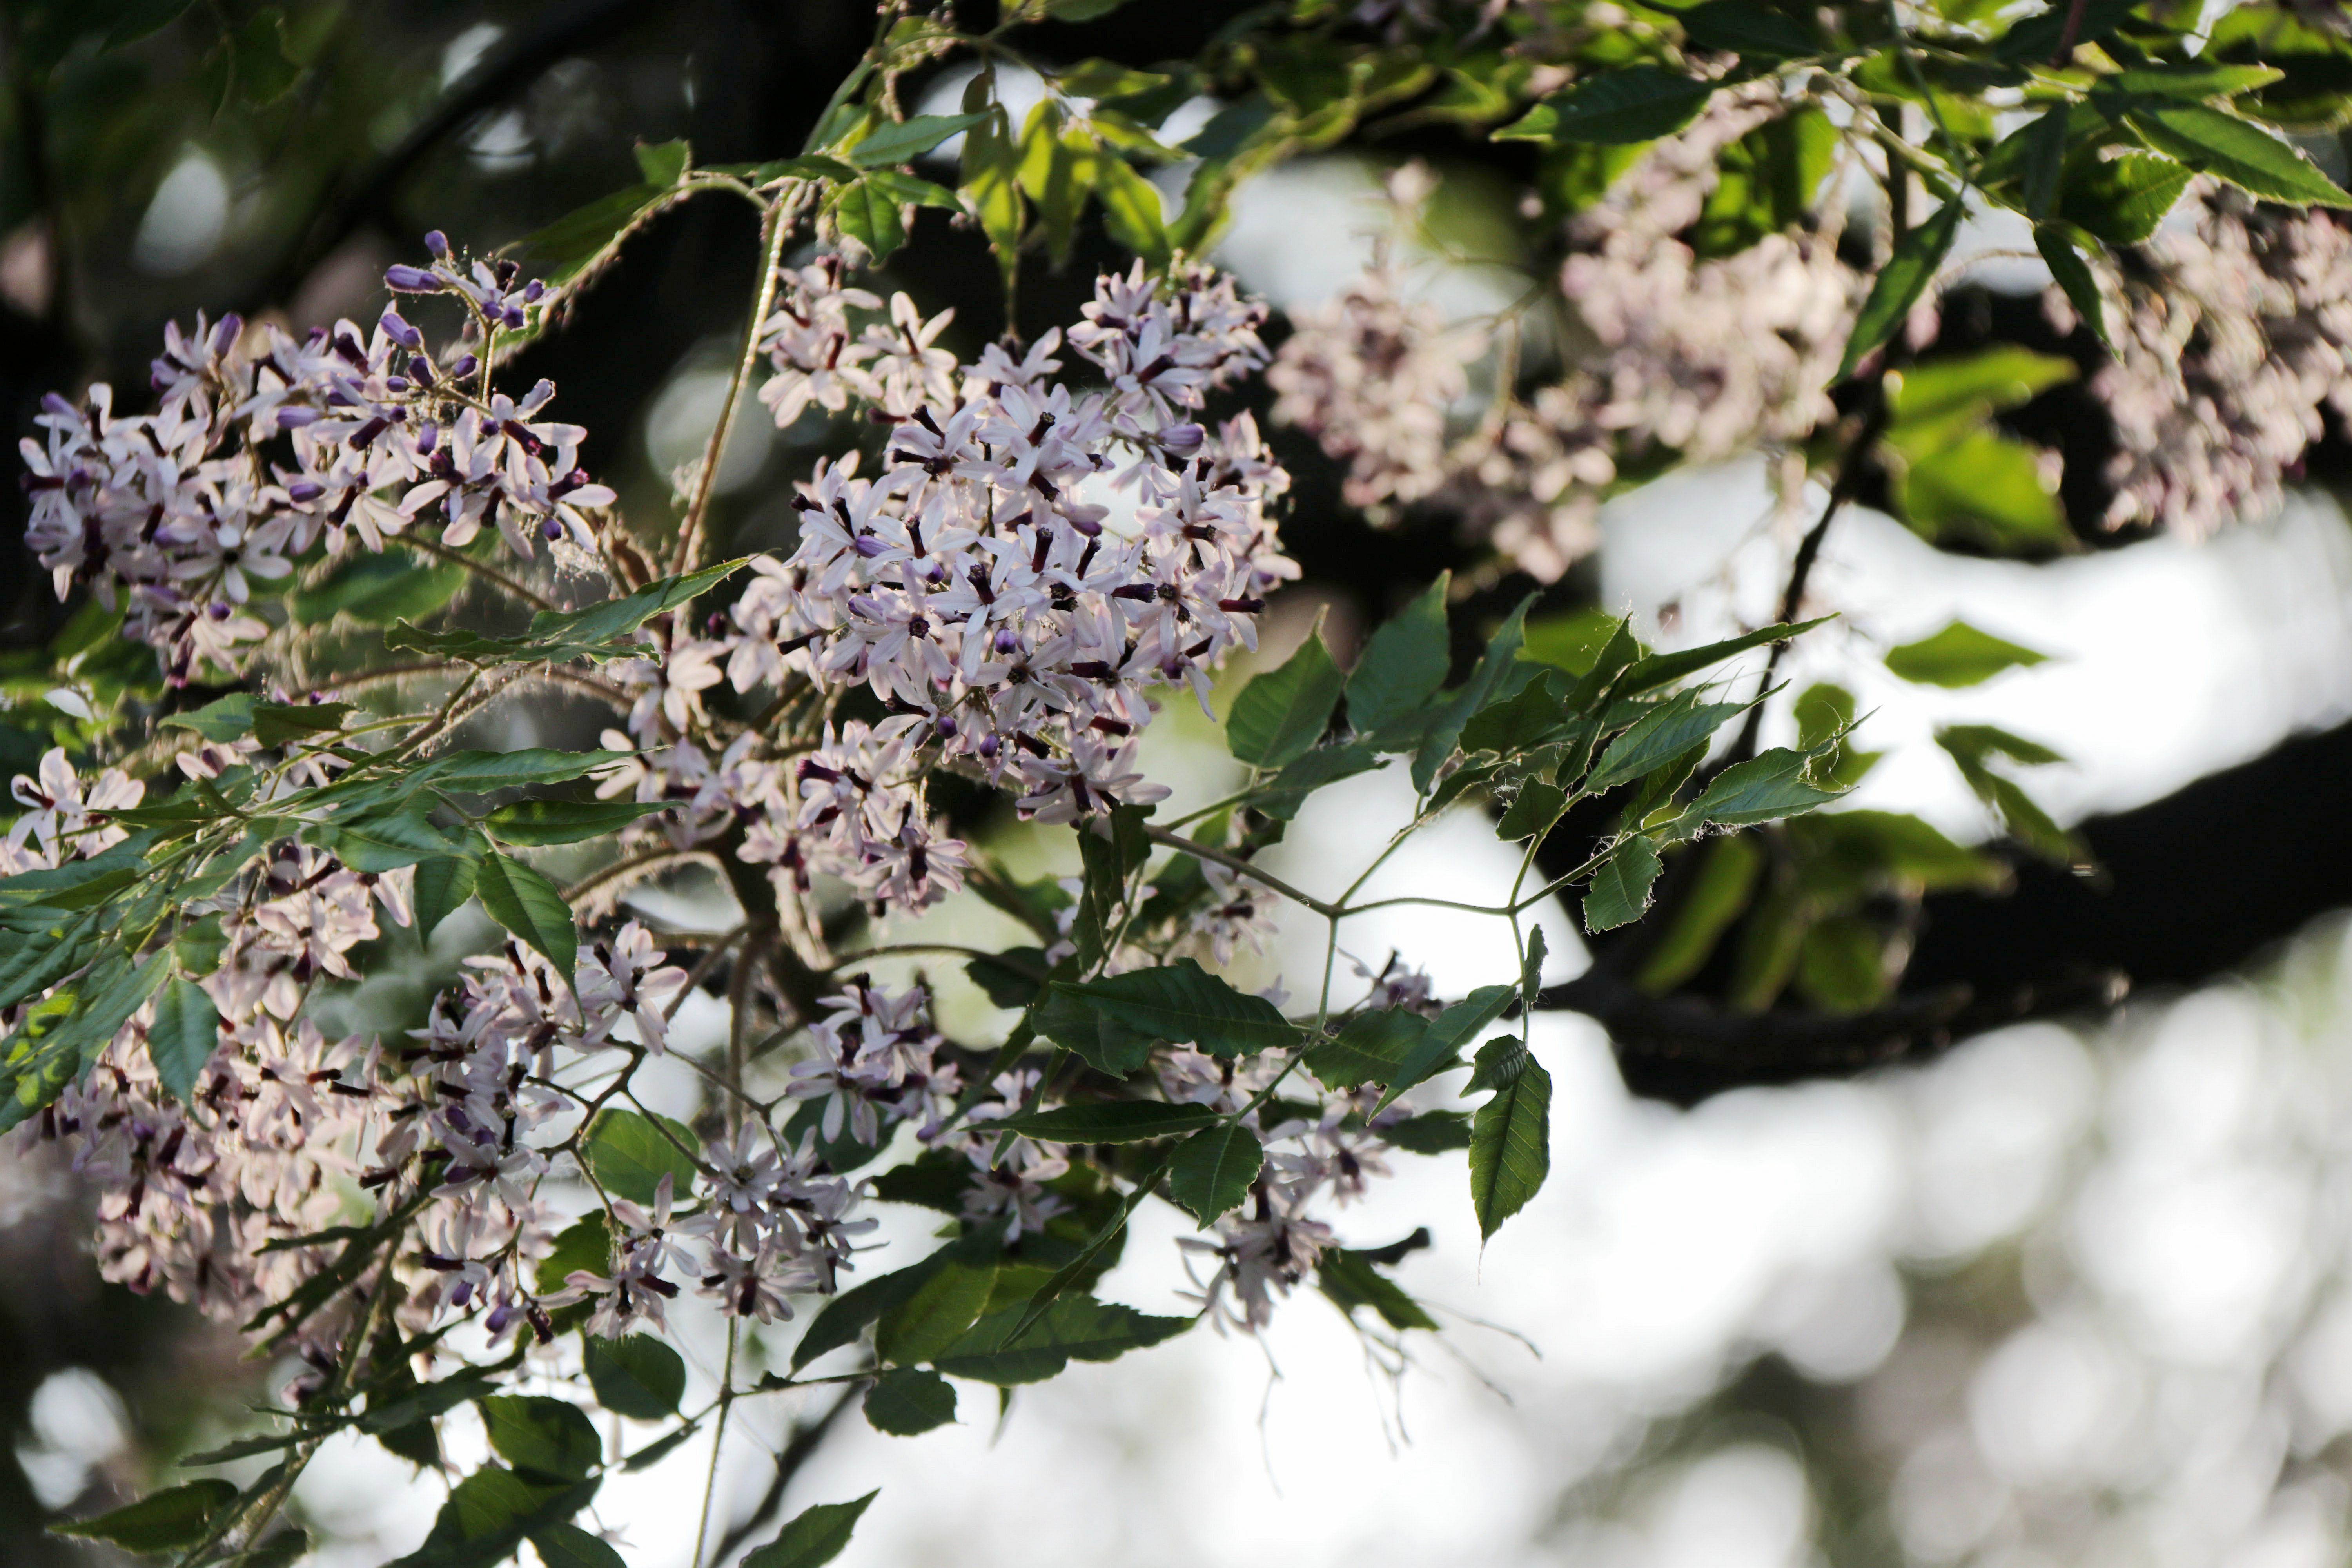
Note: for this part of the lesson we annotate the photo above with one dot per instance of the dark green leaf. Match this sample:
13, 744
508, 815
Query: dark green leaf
1510, 1147
1658, 738
584, 1245
1619, 891
600, 625
1654, 670
160, 1521
574, 243
1111, 1121
488, 1515
380, 841
1073, 1328
565, 1545
1081, 10
1983, 489
182, 1039
1212, 1171
1764, 788
548, 1439
1444, 1038
1537, 806
479, 773
635, 1376
1104, 1043
1431, 1132
905, 1401
1746, 30
525, 903
664, 163
1351, 1280
264, 74
2213, 142
629, 1155
842, 1320
1132, 209
1184, 1004
224, 720
938, 1312
441, 889
1633, 103
1011, 978
57, 1039
1901, 283
1372, 1048
538, 822
2120, 200
815, 1535
1727, 877
1402, 665
1282, 799
2064, 258
1959, 655
1496, 672
1571, 642
1281, 713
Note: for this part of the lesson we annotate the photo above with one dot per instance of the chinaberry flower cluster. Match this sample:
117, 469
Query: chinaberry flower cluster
262, 445
1030, 561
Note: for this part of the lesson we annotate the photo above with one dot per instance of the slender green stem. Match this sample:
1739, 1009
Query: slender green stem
718, 1442
777, 227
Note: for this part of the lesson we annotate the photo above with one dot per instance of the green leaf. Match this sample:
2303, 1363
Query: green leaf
442, 887
1110, 1122
1901, 283
1281, 713
585, 1244
565, 1545
909, 140
842, 1320
815, 1535
2120, 200
1510, 1147
548, 1439
1010, 978
1431, 1132
2249, 157
1081, 10
479, 772
1072, 1328
990, 178
525, 903
600, 625
1571, 642
1370, 1048
936, 1313
278, 723
380, 841
1444, 1038
2065, 258
224, 720
1213, 1170
1658, 737
635, 1376
1747, 29
1132, 212
182, 1039
1184, 1004
1959, 656
1350, 1281
1633, 103
377, 589
1619, 891
1654, 670
59, 1038
1972, 748
1983, 488
664, 163
1058, 167
1497, 670
488, 1515
1101, 1041
1402, 665
1765, 788
160, 1521
905, 1401
1531, 969
1931, 395
539, 822
1283, 796
629, 1155
583, 239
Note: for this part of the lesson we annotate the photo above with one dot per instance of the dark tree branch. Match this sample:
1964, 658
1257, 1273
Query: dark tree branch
563, 31
1683, 1049
808, 1437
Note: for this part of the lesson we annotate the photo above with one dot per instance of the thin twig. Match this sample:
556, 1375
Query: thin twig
782, 216
799, 1448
